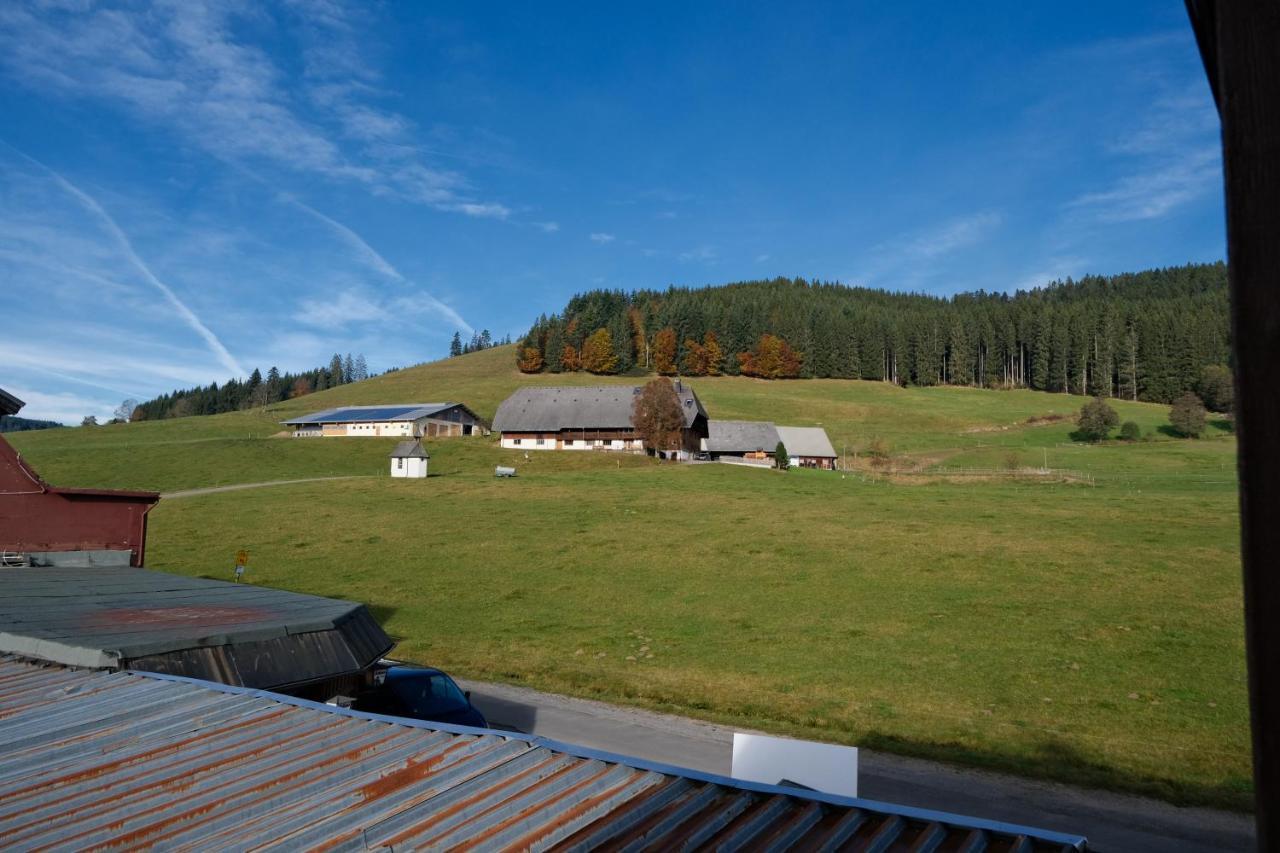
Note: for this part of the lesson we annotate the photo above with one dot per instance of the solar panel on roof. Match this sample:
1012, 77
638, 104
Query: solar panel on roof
385, 413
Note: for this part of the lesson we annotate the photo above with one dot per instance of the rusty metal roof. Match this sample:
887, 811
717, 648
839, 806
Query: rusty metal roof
127, 618
140, 760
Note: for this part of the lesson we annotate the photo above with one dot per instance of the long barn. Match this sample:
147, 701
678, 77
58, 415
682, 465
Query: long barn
587, 418
407, 420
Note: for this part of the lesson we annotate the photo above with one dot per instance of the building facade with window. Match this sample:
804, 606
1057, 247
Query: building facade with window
408, 420
409, 459
587, 418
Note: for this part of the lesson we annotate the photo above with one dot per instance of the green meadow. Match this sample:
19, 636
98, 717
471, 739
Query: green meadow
944, 599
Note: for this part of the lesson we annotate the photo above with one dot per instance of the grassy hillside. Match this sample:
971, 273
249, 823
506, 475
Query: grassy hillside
964, 425
1086, 633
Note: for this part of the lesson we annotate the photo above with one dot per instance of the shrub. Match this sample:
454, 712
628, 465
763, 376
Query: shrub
1129, 431
1188, 415
1096, 420
1216, 387
781, 457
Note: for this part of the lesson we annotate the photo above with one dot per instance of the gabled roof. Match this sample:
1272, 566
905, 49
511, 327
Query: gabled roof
741, 436
553, 408
9, 404
380, 414
140, 760
133, 618
410, 450
806, 441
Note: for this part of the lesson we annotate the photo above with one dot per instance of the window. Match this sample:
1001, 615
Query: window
541, 441
399, 463
515, 441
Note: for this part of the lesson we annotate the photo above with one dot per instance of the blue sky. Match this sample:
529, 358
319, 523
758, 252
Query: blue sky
193, 188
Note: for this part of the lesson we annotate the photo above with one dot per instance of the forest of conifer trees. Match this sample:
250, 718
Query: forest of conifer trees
1144, 336
255, 392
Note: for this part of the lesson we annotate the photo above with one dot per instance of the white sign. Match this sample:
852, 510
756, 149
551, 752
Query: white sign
821, 766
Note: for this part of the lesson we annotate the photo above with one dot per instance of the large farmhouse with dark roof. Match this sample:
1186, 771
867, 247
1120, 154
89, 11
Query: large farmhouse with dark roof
408, 420
586, 418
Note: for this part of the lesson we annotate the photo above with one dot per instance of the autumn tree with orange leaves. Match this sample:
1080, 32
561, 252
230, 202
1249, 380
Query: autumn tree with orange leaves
597, 352
703, 359
664, 352
530, 360
772, 358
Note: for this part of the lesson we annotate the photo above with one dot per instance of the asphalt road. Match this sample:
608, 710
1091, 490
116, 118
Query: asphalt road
1112, 822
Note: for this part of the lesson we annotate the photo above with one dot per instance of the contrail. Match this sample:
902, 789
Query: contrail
371, 257
228, 361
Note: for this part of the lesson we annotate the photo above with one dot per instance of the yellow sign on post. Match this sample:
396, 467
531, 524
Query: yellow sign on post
242, 559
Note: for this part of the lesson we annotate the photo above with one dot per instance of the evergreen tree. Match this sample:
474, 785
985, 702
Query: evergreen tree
455, 345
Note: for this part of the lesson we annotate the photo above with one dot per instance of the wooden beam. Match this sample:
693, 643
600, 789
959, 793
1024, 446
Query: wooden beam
1240, 44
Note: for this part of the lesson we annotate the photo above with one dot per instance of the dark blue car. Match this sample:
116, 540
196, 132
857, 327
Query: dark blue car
419, 692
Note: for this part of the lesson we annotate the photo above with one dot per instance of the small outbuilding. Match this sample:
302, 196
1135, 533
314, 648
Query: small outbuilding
808, 447
409, 459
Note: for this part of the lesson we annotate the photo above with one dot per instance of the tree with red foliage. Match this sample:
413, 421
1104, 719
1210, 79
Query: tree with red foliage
773, 358
657, 416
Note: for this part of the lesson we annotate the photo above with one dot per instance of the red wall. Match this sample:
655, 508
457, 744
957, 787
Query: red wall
35, 516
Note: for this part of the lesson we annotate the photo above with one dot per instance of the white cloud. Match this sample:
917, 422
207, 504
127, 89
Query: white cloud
488, 210
602, 238
547, 227
1157, 190
126, 248
760, 259
186, 66
65, 407
914, 257
703, 254
953, 235
336, 312
371, 258
1056, 269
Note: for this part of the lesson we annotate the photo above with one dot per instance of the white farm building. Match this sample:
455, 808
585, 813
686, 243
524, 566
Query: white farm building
409, 459
410, 420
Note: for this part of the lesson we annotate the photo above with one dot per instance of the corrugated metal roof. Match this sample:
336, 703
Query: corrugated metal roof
122, 617
553, 408
741, 436
93, 759
806, 441
381, 414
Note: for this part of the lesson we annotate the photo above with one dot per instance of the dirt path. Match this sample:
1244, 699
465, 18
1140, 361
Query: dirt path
235, 487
